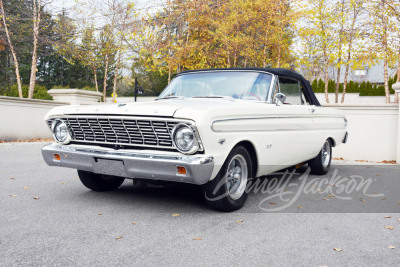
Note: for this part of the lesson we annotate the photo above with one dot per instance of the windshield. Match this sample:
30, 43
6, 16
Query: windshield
235, 84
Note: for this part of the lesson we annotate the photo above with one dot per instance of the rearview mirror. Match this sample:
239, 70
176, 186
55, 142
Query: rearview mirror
280, 99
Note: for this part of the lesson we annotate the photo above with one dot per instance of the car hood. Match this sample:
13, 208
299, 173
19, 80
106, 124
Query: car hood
160, 108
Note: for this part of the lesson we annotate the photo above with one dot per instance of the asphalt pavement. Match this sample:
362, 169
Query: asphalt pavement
48, 218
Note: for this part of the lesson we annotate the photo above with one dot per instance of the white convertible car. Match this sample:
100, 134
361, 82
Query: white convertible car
216, 128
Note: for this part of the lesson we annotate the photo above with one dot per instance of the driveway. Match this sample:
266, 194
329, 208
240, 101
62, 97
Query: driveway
49, 218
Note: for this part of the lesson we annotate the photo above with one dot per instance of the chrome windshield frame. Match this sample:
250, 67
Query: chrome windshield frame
267, 97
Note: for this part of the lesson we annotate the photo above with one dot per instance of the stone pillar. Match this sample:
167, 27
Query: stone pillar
75, 96
396, 88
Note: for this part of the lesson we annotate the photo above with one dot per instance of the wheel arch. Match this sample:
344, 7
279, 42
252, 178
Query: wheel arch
253, 155
332, 140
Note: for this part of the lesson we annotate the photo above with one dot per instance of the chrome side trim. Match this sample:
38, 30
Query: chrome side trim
274, 117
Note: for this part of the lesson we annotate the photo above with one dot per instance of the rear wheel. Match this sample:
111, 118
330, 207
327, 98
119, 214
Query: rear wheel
227, 192
320, 164
99, 182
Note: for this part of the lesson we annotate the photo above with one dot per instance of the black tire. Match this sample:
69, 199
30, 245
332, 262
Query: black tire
99, 182
320, 165
216, 192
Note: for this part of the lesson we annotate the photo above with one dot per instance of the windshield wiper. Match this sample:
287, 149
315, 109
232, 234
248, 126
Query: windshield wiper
214, 96
170, 97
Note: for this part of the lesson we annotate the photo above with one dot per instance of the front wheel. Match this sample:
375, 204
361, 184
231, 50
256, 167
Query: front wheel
227, 192
320, 164
99, 182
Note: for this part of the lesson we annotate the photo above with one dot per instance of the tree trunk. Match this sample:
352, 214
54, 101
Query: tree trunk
14, 55
346, 74
386, 78
279, 56
36, 23
116, 76
326, 78
337, 84
169, 73
338, 72
95, 78
265, 47
105, 79
398, 79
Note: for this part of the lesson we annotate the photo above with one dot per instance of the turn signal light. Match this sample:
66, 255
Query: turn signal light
57, 157
181, 170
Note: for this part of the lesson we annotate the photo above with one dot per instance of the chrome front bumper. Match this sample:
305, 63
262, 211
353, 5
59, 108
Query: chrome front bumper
135, 165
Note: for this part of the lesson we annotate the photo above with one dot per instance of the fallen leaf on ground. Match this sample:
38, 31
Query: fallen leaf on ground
239, 221
383, 198
389, 227
325, 198
36, 198
375, 193
387, 217
319, 190
134, 223
337, 249
175, 215
299, 207
332, 196
272, 203
118, 237
398, 220
197, 239
12, 178
26, 187
362, 200
12, 195
391, 247
63, 183
398, 202
388, 161
100, 213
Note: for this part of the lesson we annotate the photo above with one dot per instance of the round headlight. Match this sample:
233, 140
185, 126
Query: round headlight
60, 132
185, 139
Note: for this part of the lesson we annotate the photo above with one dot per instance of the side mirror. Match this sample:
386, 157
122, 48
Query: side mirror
280, 99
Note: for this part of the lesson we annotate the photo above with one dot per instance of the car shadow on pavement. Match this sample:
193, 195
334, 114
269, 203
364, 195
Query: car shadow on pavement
149, 197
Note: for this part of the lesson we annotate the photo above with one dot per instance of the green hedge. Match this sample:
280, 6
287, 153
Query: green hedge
39, 93
364, 88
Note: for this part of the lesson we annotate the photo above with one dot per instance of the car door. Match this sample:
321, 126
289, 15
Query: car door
294, 135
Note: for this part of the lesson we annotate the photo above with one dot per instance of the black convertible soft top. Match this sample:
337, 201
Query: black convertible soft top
280, 72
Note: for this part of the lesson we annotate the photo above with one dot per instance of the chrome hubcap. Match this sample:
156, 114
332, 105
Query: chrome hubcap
236, 176
326, 154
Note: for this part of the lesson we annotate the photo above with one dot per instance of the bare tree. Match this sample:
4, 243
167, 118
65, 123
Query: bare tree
37, 5
342, 21
356, 7
125, 11
14, 55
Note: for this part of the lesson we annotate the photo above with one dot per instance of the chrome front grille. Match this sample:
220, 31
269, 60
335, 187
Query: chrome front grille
120, 130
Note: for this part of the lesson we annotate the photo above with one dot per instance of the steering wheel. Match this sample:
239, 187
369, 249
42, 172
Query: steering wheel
248, 93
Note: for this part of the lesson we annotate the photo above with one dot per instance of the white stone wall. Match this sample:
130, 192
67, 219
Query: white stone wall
372, 132
23, 119
354, 98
